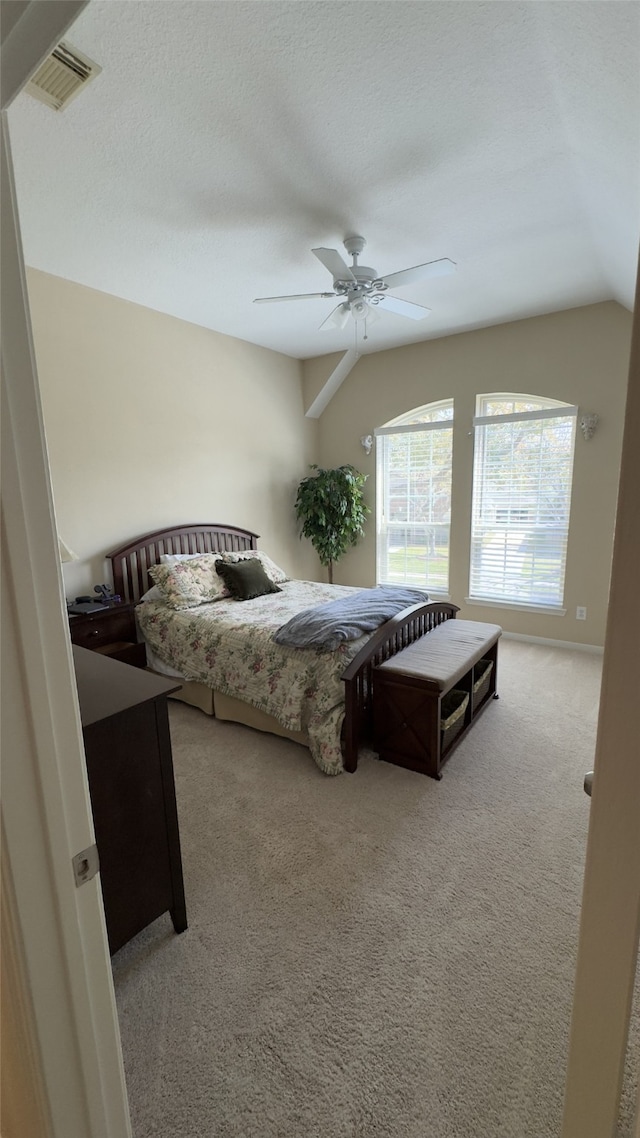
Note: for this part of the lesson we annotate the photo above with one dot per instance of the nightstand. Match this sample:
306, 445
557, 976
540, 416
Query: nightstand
110, 631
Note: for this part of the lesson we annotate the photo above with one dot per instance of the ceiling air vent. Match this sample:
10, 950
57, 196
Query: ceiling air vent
63, 73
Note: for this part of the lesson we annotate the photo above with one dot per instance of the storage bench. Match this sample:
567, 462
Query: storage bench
427, 696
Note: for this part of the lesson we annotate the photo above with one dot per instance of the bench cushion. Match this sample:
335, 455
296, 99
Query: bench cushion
445, 653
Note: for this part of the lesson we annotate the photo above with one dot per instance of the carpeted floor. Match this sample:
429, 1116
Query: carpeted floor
376, 955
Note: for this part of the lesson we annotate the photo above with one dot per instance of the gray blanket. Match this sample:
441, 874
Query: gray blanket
327, 626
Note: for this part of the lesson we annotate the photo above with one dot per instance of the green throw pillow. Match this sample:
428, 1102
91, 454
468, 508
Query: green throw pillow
246, 579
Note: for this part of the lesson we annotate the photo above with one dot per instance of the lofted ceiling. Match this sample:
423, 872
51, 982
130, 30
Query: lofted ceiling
223, 140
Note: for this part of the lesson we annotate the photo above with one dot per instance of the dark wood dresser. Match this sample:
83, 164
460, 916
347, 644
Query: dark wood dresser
125, 725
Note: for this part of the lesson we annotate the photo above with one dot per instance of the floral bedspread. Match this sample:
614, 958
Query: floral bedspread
228, 646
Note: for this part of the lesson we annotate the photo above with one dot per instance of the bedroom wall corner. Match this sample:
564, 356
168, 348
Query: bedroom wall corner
152, 421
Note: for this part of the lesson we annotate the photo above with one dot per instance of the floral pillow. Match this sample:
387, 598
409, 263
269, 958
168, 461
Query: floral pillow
273, 571
171, 558
185, 584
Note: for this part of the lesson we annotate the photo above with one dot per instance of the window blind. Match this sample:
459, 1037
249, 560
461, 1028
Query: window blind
414, 504
523, 466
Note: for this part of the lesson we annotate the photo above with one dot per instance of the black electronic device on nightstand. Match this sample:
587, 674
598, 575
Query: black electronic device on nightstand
85, 604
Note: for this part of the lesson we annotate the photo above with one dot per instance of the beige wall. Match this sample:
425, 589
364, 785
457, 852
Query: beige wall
580, 356
151, 421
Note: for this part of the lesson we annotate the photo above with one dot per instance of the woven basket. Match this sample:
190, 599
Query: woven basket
482, 679
452, 709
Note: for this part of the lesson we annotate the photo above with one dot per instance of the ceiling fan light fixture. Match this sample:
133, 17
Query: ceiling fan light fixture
340, 315
362, 309
336, 319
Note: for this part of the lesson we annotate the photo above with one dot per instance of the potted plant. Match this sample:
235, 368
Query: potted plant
330, 504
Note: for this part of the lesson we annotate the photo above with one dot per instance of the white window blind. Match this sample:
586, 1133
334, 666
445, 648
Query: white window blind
523, 464
414, 499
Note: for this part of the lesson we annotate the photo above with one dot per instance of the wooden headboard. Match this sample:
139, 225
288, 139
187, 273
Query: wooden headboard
130, 563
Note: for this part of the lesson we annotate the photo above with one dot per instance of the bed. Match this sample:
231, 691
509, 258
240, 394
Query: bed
237, 672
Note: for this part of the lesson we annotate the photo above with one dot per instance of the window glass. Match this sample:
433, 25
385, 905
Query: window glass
432, 413
522, 479
414, 498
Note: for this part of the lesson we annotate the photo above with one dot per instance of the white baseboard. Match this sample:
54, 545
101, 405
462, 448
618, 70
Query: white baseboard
554, 643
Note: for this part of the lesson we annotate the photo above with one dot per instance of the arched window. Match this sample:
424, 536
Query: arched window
523, 466
413, 511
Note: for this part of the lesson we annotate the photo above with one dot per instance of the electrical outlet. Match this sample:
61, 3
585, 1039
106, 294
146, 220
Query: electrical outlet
581, 613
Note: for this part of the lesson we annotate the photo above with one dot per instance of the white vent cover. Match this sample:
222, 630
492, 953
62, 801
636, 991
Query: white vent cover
63, 73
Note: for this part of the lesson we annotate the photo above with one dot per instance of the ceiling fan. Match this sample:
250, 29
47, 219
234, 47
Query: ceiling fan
362, 294
361, 290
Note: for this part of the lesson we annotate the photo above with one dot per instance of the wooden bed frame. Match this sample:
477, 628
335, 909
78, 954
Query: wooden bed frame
131, 563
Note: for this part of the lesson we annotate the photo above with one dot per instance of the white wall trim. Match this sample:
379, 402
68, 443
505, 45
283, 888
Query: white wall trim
331, 385
596, 648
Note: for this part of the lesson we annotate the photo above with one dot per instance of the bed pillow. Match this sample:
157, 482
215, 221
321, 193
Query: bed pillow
246, 579
273, 571
185, 584
152, 594
171, 558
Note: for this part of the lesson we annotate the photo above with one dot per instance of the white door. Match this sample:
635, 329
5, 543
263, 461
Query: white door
610, 918
61, 1063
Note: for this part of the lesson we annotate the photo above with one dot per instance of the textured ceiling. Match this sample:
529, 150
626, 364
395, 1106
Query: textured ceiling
223, 140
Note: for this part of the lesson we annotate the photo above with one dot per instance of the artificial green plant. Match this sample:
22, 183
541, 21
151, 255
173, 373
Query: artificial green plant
330, 504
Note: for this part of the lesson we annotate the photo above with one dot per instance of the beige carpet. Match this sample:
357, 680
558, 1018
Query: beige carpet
376, 955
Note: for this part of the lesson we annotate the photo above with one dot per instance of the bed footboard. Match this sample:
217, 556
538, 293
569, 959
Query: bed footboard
390, 638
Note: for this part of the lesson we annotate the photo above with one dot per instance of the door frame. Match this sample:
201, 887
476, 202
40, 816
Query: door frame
610, 914
63, 1067
66, 1006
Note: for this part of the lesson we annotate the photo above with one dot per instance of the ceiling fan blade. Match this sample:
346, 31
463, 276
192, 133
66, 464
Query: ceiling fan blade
403, 307
440, 268
332, 261
338, 376
336, 319
296, 296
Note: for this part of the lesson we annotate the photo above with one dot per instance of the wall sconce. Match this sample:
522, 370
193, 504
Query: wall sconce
588, 424
367, 443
